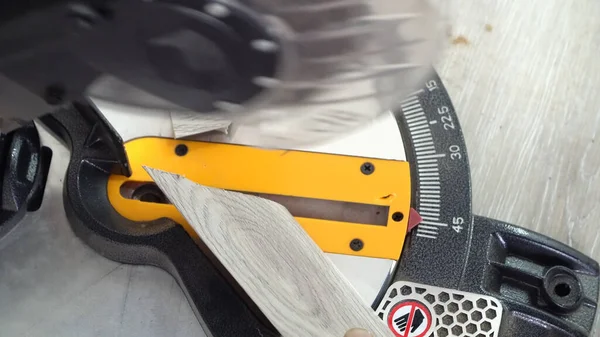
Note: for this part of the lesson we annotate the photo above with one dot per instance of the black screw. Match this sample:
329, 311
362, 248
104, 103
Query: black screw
367, 168
55, 94
181, 150
398, 216
356, 245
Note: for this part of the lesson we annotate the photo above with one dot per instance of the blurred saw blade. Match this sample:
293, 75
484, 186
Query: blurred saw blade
341, 64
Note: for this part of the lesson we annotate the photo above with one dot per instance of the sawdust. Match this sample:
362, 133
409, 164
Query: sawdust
461, 40
488, 27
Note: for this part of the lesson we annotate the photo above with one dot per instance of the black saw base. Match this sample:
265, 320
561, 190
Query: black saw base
545, 287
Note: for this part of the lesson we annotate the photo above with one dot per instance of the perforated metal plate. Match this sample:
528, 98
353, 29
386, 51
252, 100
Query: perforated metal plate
454, 313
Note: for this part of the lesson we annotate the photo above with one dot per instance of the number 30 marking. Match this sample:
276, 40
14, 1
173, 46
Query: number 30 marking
455, 152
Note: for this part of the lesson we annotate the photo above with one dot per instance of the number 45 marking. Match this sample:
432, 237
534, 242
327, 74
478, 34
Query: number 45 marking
458, 222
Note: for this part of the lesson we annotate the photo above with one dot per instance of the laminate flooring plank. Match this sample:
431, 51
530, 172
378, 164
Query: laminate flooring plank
273, 259
189, 124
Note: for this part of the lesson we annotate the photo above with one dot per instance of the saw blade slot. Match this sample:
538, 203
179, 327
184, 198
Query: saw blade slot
309, 208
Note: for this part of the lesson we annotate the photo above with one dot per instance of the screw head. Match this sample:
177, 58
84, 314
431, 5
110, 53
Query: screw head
398, 216
181, 150
367, 168
357, 245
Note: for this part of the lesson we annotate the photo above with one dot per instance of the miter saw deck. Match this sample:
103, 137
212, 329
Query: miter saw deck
456, 274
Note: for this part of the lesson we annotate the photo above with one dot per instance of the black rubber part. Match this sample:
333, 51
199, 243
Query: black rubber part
24, 168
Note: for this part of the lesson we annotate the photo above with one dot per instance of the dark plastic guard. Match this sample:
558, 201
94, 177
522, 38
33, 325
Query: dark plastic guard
172, 49
24, 167
219, 307
547, 288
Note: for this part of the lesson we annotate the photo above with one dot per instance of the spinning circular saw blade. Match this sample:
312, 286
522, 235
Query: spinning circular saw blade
340, 65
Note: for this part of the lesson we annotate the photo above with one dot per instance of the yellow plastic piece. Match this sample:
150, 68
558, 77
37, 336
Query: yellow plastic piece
281, 172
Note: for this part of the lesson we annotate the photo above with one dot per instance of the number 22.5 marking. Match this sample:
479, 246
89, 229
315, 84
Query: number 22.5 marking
448, 123
446, 118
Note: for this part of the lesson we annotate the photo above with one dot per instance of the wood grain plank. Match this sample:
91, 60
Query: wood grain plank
526, 94
524, 82
273, 259
187, 124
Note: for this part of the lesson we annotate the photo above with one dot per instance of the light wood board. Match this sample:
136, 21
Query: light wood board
525, 78
273, 259
188, 124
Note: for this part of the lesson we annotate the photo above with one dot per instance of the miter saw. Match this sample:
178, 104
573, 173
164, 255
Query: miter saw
386, 195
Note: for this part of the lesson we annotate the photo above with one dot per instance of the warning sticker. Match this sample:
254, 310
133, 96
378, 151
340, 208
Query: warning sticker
410, 319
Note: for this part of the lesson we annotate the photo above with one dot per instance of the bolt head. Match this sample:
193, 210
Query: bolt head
357, 245
181, 150
398, 216
367, 168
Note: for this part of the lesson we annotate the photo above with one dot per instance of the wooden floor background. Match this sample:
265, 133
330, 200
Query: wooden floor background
525, 79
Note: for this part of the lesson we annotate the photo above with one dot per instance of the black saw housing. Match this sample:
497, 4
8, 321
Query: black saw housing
192, 53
